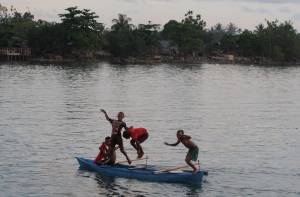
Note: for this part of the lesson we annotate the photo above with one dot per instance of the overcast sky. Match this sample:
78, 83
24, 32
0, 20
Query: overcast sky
244, 13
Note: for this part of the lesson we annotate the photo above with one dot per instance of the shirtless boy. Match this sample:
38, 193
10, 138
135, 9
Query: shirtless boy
192, 154
116, 137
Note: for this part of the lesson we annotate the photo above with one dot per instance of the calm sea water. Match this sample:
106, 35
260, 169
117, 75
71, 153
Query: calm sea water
245, 120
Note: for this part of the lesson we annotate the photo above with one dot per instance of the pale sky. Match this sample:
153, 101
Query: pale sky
243, 13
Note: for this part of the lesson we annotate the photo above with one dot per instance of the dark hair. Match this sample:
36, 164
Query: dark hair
107, 138
126, 134
121, 113
180, 131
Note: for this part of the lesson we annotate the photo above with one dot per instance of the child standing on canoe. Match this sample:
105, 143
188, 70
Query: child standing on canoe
192, 154
116, 137
138, 136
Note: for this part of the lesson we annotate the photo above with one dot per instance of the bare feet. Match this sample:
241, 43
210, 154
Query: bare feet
195, 170
140, 154
129, 161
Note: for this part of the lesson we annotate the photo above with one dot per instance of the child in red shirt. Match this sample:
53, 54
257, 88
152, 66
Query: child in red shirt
138, 136
103, 155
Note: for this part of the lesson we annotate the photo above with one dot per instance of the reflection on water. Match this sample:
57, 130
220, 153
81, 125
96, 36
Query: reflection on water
245, 120
110, 186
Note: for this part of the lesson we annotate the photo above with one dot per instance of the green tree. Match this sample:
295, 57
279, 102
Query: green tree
277, 40
147, 38
187, 35
14, 27
48, 38
82, 30
120, 40
213, 37
229, 40
122, 23
247, 43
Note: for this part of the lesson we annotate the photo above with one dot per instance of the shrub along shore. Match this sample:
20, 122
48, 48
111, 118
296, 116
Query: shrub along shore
80, 35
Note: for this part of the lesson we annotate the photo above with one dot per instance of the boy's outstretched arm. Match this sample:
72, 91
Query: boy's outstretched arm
174, 144
106, 116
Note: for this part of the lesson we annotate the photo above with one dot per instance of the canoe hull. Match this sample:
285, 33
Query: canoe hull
150, 174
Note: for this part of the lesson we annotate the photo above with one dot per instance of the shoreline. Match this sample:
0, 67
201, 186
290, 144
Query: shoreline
166, 60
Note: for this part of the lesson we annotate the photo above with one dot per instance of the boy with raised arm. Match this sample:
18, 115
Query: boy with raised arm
192, 154
116, 137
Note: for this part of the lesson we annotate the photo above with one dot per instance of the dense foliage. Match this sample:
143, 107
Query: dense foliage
79, 31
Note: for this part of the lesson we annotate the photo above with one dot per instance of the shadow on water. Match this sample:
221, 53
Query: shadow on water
88, 66
107, 185
126, 67
69, 68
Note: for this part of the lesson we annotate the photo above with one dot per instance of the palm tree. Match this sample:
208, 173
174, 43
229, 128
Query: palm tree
122, 23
